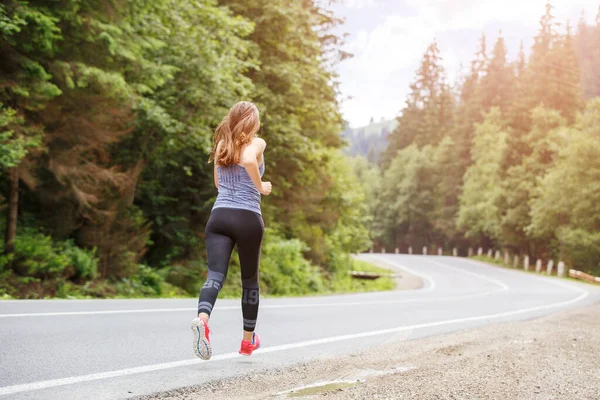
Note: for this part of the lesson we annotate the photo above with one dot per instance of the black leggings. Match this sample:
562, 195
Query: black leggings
227, 227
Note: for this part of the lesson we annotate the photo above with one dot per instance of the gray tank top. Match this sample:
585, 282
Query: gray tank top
236, 189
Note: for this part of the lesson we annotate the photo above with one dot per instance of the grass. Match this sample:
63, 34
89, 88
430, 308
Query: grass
345, 284
339, 283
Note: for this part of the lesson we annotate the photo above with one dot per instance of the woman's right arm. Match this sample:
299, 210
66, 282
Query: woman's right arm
249, 161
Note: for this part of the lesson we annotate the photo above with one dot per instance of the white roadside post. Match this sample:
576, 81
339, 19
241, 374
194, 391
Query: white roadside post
455, 252
561, 269
480, 251
516, 261
440, 251
506, 258
470, 253
410, 250
397, 250
549, 267
497, 257
538, 266
383, 249
424, 250
526, 263
489, 253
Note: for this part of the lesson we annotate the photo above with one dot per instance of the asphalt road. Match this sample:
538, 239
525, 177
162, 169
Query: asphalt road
112, 349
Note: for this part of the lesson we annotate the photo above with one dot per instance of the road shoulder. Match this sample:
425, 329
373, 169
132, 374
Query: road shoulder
553, 357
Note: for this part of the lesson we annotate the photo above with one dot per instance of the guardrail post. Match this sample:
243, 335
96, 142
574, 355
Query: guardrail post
424, 250
526, 263
440, 251
455, 252
479, 251
497, 257
516, 261
489, 253
397, 250
538, 266
410, 250
550, 267
561, 269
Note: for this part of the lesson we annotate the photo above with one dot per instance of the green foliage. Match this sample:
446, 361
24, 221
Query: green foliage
567, 203
344, 282
83, 261
283, 269
36, 256
13, 147
428, 114
523, 178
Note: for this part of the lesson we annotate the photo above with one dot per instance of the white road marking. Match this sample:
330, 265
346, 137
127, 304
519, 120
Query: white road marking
266, 306
420, 274
157, 367
463, 271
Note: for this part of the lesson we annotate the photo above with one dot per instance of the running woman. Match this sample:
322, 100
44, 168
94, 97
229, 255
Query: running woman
235, 219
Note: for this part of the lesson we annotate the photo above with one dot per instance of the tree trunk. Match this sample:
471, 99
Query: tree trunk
13, 207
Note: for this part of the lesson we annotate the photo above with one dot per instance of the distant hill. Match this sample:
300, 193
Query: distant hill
369, 141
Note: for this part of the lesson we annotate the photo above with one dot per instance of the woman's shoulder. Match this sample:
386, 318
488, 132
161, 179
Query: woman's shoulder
257, 141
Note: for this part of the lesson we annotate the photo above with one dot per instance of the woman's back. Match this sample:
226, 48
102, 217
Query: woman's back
236, 189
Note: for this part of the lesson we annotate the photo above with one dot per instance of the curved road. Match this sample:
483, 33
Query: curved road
109, 349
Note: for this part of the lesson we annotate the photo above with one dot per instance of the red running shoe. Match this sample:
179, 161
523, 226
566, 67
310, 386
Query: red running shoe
247, 347
201, 332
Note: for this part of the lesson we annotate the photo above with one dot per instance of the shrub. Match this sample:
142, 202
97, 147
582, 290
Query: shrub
83, 261
284, 270
36, 256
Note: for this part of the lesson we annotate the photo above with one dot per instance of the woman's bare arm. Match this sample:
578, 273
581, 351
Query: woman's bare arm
215, 174
249, 161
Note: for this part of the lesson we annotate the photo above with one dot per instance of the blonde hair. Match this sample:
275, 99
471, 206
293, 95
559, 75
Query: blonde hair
235, 130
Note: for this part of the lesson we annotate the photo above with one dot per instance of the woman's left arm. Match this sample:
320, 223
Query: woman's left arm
215, 174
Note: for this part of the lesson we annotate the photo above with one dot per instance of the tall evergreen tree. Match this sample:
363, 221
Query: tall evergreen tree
587, 46
496, 89
521, 61
427, 116
469, 110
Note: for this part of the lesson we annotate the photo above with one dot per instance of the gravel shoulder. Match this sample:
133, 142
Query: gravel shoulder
554, 357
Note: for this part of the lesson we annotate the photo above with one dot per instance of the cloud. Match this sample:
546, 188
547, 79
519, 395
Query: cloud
476, 14
358, 4
391, 37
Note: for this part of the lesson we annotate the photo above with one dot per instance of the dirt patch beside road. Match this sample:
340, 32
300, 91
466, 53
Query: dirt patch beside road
404, 279
555, 357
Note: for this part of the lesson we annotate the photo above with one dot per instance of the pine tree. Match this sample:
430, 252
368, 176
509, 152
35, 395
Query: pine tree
427, 116
469, 110
497, 85
521, 61
587, 46
567, 93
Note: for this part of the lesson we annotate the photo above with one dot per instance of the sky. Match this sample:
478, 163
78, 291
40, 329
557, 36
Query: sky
388, 39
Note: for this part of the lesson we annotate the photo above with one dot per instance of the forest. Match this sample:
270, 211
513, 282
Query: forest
509, 158
107, 114
106, 124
